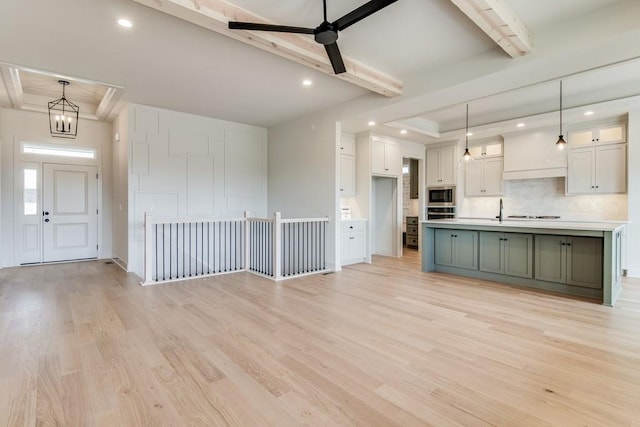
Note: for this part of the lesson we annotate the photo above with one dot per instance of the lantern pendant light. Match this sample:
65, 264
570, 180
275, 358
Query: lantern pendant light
63, 116
467, 155
561, 143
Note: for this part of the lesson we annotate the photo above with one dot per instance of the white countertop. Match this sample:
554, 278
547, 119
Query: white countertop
519, 223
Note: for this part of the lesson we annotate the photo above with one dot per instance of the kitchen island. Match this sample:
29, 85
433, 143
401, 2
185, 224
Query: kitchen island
578, 258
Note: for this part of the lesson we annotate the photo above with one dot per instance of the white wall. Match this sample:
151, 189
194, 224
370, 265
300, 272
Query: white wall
182, 165
120, 187
633, 229
17, 126
1, 228
303, 172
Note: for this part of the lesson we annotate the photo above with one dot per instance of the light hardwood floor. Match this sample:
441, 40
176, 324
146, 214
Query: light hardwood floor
383, 344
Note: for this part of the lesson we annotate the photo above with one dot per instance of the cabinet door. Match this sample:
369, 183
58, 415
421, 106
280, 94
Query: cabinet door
348, 144
443, 251
611, 169
491, 257
392, 158
493, 149
414, 192
581, 138
492, 177
433, 162
377, 157
550, 258
584, 261
611, 134
518, 254
581, 171
465, 249
473, 178
347, 175
447, 166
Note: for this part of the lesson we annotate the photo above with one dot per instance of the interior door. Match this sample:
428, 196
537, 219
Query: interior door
69, 212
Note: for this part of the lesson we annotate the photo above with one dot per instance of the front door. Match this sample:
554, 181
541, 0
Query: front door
69, 212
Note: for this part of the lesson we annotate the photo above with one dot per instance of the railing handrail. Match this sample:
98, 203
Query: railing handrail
193, 220
298, 220
259, 219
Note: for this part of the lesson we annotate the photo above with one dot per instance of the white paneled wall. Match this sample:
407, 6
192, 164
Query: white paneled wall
183, 165
546, 196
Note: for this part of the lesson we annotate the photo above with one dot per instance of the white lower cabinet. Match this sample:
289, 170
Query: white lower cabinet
353, 241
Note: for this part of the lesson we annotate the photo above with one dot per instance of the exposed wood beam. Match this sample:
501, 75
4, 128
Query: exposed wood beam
216, 14
500, 22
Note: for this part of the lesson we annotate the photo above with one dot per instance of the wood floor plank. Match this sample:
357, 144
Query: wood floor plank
375, 344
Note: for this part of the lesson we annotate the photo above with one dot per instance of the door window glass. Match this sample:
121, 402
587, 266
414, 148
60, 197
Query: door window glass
30, 192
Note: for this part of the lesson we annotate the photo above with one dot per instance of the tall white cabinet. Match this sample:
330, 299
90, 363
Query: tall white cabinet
597, 160
347, 165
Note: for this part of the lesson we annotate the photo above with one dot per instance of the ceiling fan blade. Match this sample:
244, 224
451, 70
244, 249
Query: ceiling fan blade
335, 58
234, 25
362, 12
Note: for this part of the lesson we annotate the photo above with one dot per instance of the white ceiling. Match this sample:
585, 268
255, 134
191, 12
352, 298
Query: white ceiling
166, 62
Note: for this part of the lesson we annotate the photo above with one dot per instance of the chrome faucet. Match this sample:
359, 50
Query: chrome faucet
500, 216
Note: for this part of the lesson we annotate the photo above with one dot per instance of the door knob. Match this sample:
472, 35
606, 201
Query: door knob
46, 220
45, 213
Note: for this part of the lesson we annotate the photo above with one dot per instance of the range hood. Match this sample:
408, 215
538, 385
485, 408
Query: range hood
534, 173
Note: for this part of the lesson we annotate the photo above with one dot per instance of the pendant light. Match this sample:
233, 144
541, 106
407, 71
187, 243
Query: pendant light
561, 143
63, 116
467, 155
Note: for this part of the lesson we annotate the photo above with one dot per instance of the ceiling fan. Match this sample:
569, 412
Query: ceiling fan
326, 33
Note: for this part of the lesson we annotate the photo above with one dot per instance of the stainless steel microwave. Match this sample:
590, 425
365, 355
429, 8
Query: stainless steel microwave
441, 196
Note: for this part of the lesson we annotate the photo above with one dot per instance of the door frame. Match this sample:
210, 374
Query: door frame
20, 160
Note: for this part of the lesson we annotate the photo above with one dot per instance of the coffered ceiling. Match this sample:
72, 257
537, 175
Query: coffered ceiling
170, 62
29, 89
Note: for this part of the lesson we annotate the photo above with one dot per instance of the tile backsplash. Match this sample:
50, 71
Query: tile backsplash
546, 196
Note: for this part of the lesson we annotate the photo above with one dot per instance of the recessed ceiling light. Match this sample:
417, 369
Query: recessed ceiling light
588, 113
125, 23
469, 134
307, 82
372, 123
403, 131
520, 125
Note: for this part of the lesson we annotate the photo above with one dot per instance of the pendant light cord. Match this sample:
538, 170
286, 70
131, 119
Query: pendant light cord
561, 108
466, 132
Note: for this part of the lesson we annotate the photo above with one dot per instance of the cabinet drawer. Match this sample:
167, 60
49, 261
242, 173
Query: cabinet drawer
412, 242
412, 220
412, 230
351, 226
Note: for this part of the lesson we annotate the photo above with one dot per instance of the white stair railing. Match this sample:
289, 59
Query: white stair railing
270, 247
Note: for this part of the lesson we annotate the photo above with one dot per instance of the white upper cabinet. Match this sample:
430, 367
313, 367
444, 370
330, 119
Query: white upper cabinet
605, 134
347, 175
347, 165
487, 149
348, 144
601, 169
441, 166
484, 177
385, 157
